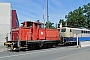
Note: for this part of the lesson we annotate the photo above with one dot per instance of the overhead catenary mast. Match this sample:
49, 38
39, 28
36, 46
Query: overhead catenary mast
43, 17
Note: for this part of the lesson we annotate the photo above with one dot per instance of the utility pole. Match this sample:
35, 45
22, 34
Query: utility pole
47, 14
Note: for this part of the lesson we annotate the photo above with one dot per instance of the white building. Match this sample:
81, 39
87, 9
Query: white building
5, 21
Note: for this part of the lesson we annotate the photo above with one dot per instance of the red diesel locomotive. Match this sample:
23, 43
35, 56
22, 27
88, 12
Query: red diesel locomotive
33, 35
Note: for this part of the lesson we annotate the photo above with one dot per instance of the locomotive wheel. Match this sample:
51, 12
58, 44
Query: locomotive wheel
17, 49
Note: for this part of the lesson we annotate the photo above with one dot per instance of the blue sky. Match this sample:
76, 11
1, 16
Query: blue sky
33, 9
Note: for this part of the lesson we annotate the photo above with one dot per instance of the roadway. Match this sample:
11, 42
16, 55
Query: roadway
59, 53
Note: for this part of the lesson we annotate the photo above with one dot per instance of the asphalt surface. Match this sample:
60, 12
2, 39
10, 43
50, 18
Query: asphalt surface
59, 53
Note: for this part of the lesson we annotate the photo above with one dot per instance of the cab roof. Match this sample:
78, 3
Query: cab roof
37, 22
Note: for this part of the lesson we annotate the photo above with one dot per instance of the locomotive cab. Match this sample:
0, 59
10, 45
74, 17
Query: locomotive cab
31, 24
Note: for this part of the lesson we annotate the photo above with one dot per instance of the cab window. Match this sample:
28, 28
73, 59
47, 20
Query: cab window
63, 30
70, 30
58, 30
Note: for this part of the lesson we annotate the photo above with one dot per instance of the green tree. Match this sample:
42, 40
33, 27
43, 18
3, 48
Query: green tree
77, 18
86, 10
49, 24
61, 21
